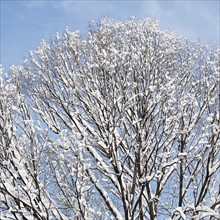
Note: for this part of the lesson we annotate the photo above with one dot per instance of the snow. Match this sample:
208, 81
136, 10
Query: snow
84, 121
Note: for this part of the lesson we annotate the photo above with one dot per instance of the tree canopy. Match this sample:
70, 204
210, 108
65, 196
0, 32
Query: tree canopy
121, 124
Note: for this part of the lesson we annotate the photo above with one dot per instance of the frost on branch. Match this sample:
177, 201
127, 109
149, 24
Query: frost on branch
128, 124
22, 182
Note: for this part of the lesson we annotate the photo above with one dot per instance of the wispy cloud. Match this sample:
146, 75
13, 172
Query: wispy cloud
194, 19
35, 3
86, 8
94, 9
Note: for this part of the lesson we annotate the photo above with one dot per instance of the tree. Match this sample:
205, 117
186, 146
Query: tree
22, 183
124, 124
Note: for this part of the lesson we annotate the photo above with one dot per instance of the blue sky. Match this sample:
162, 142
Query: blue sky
25, 23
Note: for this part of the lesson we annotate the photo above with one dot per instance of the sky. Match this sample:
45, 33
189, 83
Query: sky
25, 23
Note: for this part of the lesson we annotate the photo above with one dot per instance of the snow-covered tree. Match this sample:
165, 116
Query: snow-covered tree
122, 124
23, 182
